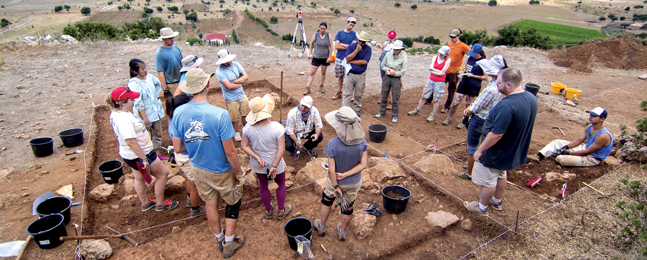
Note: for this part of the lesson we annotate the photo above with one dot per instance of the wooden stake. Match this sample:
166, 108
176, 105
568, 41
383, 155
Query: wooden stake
516, 223
601, 193
24, 247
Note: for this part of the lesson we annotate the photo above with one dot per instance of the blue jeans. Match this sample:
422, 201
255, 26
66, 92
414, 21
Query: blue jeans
474, 131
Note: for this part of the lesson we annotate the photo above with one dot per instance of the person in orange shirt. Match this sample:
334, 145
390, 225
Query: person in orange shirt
457, 51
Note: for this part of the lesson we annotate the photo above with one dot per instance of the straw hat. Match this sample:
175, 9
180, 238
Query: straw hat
224, 56
346, 124
166, 33
190, 62
196, 81
260, 108
363, 36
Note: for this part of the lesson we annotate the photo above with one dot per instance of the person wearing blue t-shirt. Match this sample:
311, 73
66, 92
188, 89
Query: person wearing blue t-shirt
168, 61
342, 40
205, 131
358, 56
231, 76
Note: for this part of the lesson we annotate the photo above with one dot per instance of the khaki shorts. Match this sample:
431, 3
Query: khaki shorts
184, 163
171, 88
485, 176
212, 185
237, 108
349, 192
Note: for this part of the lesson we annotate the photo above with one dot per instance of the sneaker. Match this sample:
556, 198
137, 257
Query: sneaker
337, 96
269, 214
151, 203
496, 206
447, 121
431, 117
292, 153
474, 207
307, 91
444, 110
341, 235
168, 205
221, 241
229, 249
460, 125
197, 212
394, 120
414, 112
322, 89
379, 115
533, 158
188, 202
321, 229
284, 213
237, 138
463, 175
312, 152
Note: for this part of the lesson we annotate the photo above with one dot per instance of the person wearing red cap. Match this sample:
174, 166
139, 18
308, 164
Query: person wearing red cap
387, 47
135, 146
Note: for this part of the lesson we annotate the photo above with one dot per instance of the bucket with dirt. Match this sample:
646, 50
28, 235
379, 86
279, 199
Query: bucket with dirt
111, 170
47, 231
377, 133
395, 198
55, 205
557, 88
298, 227
42, 146
572, 93
72, 137
532, 88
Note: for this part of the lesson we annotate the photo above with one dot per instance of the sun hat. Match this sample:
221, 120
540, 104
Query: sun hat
363, 36
224, 56
196, 81
346, 124
190, 62
444, 50
166, 33
476, 48
487, 67
306, 101
598, 111
397, 45
391, 34
455, 32
351, 20
260, 108
499, 62
123, 93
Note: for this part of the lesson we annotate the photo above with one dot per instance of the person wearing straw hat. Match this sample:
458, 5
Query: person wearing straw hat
168, 61
358, 56
205, 131
480, 109
343, 38
435, 86
264, 142
231, 76
188, 62
347, 157
303, 122
599, 142
395, 66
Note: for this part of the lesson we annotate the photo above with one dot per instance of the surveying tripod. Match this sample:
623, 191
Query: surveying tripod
303, 42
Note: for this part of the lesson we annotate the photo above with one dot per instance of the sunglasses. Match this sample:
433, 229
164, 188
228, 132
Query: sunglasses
125, 91
452, 37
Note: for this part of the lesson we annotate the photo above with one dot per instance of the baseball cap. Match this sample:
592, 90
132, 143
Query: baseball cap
476, 48
351, 19
444, 50
306, 101
391, 34
598, 111
455, 32
123, 93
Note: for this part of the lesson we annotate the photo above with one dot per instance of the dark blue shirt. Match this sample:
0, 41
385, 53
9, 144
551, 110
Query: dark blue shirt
475, 69
345, 38
364, 54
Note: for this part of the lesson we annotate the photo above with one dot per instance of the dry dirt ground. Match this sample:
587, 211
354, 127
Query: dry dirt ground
47, 90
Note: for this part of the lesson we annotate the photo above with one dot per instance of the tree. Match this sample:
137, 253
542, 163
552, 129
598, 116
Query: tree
602, 18
67, 7
313, 4
627, 9
624, 25
397, 5
638, 6
186, 12
120, 7
613, 17
233, 36
193, 40
274, 19
148, 10
58, 8
337, 12
192, 17
534, 2
414, 7
127, 6
159, 9
172, 9
352, 11
4, 22
85, 10
492, 3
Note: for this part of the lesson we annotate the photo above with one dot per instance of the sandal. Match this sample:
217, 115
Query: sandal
463, 175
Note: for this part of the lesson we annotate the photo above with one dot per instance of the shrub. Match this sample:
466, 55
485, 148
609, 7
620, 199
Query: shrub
602, 18
143, 29
148, 10
121, 7
337, 12
431, 40
414, 7
622, 18
274, 19
186, 12
159, 9
352, 11
536, 2
193, 40
192, 17
287, 37
173, 9
85, 11
624, 25
634, 213
233, 36
93, 31
313, 4
58, 8
627, 9
397, 5
407, 41
639, 17
613, 17
492, 3
4, 22
638, 6
127, 6
258, 19
67, 7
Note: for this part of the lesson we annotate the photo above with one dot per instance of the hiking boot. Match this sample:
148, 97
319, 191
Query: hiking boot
496, 206
444, 110
474, 207
168, 205
463, 175
229, 249
394, 120
151, 203
188, 202
284, 213
221, 241
197, 212
414, 112
447, 121
237, 138
431, 117
307, 91
341, 235
269, 214
533, 158
321, 229
337, 96
460, 125
322, 89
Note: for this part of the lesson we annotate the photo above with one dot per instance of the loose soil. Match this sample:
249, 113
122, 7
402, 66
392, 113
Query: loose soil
394, 195
628, 54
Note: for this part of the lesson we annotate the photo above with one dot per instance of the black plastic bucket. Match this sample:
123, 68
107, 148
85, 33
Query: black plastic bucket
42, 146
395, 205
47, 231
111, 170
377, 133
532, 88
72, 137
298, 227
55, 205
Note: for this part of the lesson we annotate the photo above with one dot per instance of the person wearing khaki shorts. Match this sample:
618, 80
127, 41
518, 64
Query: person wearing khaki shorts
238, 109
231, 77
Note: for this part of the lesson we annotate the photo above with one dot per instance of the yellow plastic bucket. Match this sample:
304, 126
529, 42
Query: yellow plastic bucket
557, 88
572, 93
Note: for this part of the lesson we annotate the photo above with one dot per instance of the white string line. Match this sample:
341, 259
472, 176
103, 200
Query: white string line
85, 165
611, 90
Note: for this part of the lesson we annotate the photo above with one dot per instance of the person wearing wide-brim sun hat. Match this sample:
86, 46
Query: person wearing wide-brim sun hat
135, 146
188, 62
264, 142
395, 66
357, 55
347, 157
231, 77
168, 61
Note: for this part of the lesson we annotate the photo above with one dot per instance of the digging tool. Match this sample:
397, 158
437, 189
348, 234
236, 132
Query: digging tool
271, 183
329, 254
124, 237
88, 237
24, 247
596, 190
560, 130
39, 200
606, 196
75, 152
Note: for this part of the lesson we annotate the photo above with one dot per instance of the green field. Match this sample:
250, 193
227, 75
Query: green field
561, 33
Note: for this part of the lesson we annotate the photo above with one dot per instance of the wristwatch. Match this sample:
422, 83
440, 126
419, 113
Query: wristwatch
336, 186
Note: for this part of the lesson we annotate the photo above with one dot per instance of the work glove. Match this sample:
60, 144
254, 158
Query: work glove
562, 151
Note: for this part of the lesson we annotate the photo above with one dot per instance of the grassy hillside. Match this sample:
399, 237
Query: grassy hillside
561, 33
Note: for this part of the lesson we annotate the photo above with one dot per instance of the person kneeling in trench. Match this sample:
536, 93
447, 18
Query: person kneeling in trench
347, 157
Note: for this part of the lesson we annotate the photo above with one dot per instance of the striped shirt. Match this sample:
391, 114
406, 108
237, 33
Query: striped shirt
296, 124
486, 100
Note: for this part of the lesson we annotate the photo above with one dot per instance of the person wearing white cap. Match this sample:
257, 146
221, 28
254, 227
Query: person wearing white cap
435, 86
342, 40
205, 131
303, 122
591, 148
231, 76
358, 56
480, 109
395, 66
188, 62
168, 61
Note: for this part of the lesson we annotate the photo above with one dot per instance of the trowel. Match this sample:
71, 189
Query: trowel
329, 254
39, 200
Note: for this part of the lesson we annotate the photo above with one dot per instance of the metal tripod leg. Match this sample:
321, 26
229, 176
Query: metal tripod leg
294, 37
305, 42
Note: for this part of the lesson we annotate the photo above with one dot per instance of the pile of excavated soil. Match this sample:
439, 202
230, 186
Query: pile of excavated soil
614, 54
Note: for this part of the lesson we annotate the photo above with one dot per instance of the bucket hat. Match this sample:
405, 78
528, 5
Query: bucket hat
196, 81
166, 33
346, 124
190, 62
499, 62
397, 45
476, 48
444, 50
391, 34
123, 93
306, 101
487, 67
363, 36
260, 108
224, 56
